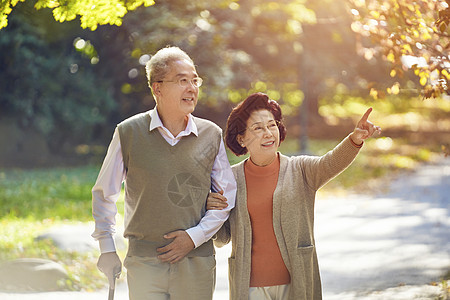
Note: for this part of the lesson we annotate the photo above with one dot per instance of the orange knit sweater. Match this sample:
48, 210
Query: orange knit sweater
267, 266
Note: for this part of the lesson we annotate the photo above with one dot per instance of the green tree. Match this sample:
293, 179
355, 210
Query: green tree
91, 13
46, 85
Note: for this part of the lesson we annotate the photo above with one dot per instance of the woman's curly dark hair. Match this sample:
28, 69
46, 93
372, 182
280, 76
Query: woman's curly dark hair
237, 120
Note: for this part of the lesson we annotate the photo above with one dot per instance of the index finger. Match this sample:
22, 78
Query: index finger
366, 115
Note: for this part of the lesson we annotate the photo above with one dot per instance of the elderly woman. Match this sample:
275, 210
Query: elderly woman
272, 225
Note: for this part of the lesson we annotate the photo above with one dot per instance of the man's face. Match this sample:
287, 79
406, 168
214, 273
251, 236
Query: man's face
175, 99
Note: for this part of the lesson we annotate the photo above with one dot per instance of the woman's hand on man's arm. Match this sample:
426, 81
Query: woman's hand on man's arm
216, 201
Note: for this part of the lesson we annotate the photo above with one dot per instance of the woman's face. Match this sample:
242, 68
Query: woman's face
262, 136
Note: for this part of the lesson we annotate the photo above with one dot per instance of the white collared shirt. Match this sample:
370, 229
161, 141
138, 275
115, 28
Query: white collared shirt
106, 190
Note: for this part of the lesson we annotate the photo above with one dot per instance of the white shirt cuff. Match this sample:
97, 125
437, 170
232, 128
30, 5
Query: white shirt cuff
197, 236
107, 245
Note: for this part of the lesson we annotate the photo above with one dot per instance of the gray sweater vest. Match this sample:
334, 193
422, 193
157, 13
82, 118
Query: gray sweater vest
166, 186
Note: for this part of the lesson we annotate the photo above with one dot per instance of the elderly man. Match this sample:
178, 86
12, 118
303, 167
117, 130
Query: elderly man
169, 161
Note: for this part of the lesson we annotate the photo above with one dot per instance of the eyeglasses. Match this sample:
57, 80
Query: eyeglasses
259, 127
183, 82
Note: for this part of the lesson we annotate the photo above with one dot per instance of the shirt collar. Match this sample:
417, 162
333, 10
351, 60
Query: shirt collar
155, 122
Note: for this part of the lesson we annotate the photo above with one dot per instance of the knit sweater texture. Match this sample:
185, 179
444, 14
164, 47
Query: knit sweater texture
293, 221
166, 186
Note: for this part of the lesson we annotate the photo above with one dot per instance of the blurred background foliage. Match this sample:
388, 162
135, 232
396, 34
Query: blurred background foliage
67, 78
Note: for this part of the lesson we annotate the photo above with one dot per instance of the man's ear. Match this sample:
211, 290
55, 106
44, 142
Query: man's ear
156, 89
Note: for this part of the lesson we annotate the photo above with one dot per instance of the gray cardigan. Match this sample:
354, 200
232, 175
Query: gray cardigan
293, 220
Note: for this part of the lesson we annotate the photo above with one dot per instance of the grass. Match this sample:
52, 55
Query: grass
62, 194
17, 240
34, 201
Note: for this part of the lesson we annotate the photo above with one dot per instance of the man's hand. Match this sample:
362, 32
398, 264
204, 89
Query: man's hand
181, 245
364, 129
109, 264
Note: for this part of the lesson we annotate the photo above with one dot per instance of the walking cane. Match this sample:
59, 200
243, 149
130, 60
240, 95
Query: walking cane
111, 290
113, 287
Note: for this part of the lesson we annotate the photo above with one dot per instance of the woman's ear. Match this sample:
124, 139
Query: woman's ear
240, 140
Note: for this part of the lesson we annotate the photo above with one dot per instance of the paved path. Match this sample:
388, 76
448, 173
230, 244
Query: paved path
374, 243
388, 246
